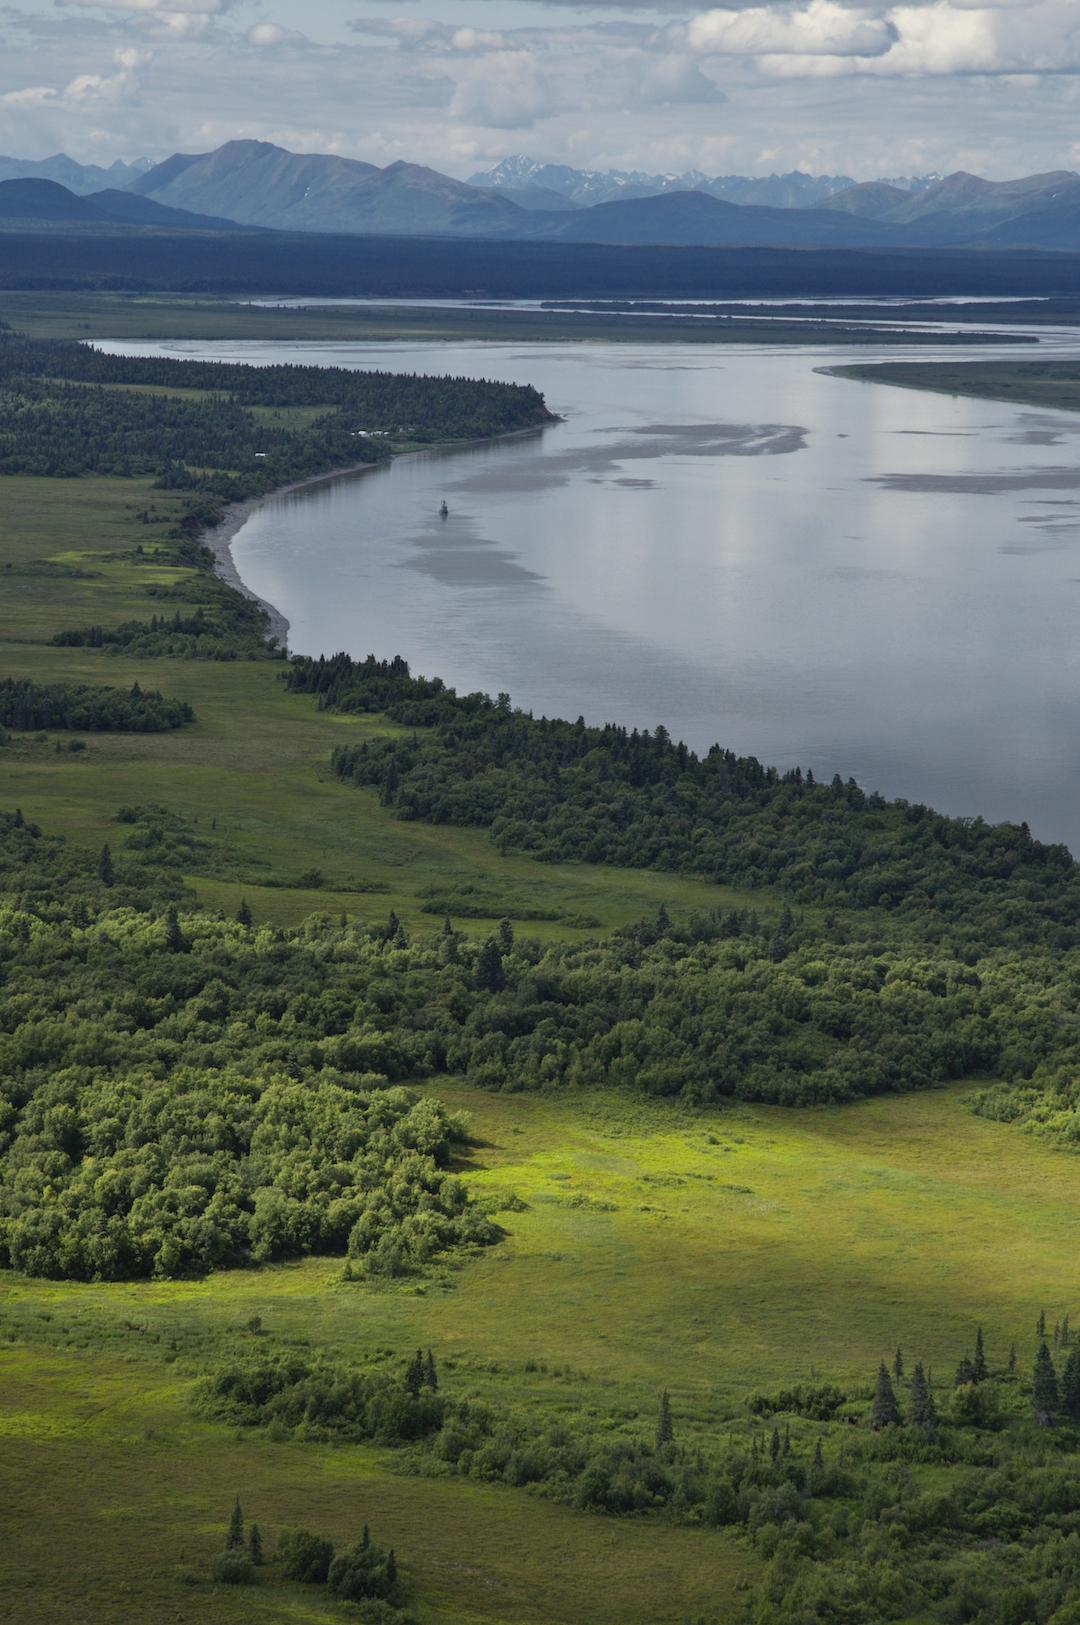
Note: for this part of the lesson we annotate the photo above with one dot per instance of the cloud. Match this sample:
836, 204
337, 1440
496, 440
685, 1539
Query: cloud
272, 34
821, 29
191, 7
505, 91
942, 38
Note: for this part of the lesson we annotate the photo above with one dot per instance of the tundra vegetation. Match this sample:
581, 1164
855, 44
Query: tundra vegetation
476, 1207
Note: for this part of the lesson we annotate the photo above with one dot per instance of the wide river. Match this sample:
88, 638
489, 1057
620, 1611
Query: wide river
726, 540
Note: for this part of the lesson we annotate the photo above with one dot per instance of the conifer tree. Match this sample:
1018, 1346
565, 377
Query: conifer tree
506, 936
105, 872
917, 1397
392, 926
447, 925
1070, 1385
965, 1373
243, 913
787, 1441
1065, 1331
431, 1379
665, 1428
1012, 1359
884, 1411
898, 1365
1040, 1329
774, 1446
1057, 1333
1045, 1399
414, 1374
254, 1545
365, 1538
978, 1365
174, 937
489, 967
391, 1567
818, 1463
234, 1540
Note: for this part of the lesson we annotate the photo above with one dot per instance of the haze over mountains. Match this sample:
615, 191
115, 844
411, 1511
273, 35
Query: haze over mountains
254, 184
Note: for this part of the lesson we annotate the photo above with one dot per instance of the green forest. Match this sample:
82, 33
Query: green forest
67, 409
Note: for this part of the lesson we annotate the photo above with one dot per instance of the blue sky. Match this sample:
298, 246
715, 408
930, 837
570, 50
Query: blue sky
863, 90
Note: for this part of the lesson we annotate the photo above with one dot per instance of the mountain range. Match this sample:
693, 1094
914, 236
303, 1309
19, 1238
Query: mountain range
527, 182
254, 184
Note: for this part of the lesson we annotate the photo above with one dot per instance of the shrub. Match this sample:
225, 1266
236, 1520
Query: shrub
305, 1556
232, 1569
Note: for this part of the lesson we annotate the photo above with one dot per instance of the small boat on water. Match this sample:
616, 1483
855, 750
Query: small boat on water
443, 511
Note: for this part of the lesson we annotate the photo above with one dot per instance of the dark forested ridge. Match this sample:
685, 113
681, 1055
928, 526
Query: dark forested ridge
141, 260
60, 417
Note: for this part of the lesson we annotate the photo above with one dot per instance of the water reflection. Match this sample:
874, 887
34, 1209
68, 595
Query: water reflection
855, 578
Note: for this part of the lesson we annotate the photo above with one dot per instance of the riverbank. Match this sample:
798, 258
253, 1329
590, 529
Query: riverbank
219, 538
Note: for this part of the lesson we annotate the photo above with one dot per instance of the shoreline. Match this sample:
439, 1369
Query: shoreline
218, 538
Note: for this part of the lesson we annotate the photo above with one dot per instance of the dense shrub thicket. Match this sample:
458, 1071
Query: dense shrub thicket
60, 417
27, 706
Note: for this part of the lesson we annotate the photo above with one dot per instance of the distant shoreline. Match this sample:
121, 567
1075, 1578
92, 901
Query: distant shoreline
218, 538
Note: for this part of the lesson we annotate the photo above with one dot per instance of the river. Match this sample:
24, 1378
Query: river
729, 541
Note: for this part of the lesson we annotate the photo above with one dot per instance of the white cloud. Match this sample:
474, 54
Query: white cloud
272, 34
943, 38
197, 7
821, 29
503, 91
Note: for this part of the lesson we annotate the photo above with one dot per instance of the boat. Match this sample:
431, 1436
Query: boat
444, 511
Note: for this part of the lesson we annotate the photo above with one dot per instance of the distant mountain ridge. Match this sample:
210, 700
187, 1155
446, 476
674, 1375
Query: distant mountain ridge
78, 178
795, 190
256, 185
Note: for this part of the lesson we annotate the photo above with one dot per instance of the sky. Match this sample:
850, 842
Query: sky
828, 88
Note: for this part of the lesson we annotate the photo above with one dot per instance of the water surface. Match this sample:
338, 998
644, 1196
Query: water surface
726, 540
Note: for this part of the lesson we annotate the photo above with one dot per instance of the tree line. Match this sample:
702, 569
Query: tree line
26, 706
60, 416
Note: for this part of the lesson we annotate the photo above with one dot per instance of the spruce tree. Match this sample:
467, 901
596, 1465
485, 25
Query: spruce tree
391, 1567
1045, 1399
174, 937
392, 926
818, 1463
917, 1396
490, 975
787, 1441
105, 872
414, 1374
234, 1540
965, 1373
243, 913
978, 1365
1040, 1329
447, 926
774, 1446
431, 1379
1065, 1331
506, 936
898, 1365
254, 1545
884, 1411
1057, 1333
1070, 1385
365, 1539
665, 1429
1012, 1359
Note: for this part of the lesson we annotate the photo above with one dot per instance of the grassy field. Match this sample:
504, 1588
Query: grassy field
736, 1251
182, 316
1051, 384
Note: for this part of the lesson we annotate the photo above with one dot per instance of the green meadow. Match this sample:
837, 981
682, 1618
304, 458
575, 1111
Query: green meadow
714, 1253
